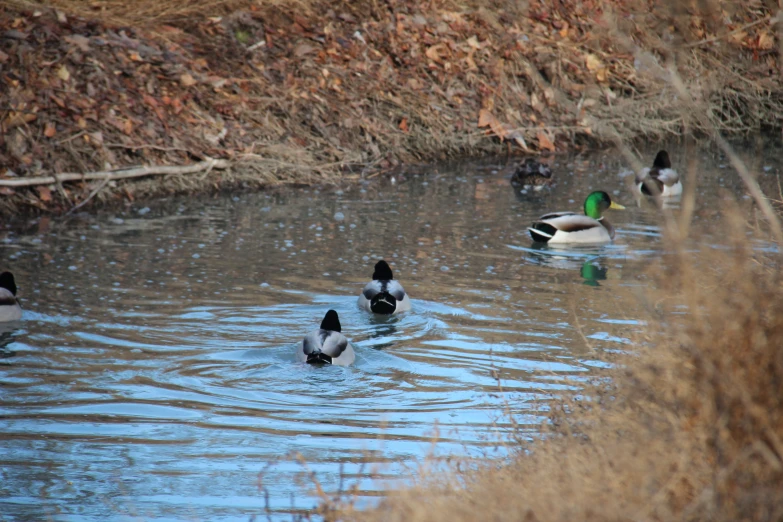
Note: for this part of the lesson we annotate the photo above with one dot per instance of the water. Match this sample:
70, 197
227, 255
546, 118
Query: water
153, 375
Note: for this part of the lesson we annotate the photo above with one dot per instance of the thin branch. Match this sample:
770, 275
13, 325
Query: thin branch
111, 175
88, 198
734, 31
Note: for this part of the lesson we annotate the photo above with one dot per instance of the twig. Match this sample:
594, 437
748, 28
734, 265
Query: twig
146, 146
69, 138
88, 198
134, 172
734, 31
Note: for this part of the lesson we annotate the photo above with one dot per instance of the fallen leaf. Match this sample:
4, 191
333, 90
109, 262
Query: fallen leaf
82, 42
187, 80
404, 125
3, 57
134, 56
474, 43
44, 194
592, 62
564, 31
18, 118
484, 118
63, 73
766, 40
49, 130
471, 62
437, 53
544, 142
738, 37
303, 49
7, 191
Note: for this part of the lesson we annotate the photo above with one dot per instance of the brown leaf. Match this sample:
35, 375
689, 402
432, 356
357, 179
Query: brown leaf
592, 62
303, 49
484, 118
766, 40
63, 73
187, 80
404, 125
544, 142
437, 53
49, 130
82, 42
15, 119
44, 194
7, 191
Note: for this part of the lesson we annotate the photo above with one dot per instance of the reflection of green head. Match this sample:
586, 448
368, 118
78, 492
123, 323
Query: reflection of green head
597, 202
593, 273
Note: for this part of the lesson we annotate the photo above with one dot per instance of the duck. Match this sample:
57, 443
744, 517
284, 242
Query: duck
571, 228
9, 304
383, 295
665, 179
327, 345
532, 175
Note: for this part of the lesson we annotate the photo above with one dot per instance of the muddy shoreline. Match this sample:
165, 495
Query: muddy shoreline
259, 96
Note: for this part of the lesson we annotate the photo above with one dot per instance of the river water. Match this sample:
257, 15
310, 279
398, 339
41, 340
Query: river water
153, 374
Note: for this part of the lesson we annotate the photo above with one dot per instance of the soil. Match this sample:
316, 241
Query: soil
330, 92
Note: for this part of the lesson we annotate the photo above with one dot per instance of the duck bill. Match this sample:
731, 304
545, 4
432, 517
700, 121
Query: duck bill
616, 206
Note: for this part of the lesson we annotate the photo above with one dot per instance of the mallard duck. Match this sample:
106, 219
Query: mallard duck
662, 176
570, 227
9, 304
326, 345
532, 175
384, 295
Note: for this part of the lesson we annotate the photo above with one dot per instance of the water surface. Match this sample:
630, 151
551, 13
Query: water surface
153, 375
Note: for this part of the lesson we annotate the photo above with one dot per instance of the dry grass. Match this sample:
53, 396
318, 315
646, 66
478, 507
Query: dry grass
691, 427
144, 12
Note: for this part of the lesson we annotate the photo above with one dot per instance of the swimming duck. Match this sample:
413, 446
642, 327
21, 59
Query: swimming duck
326, 345
9, 304
570, 227
532, 175
384, 295
661, 175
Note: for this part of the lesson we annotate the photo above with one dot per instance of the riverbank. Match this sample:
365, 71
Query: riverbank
244, 94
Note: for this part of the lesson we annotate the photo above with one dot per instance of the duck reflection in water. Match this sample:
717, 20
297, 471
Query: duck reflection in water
592, 272
384, 331
588, 263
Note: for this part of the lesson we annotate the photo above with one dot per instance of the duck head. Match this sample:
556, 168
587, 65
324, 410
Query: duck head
382, 271
331, 322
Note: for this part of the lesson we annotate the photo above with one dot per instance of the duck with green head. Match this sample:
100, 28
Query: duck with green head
569, 227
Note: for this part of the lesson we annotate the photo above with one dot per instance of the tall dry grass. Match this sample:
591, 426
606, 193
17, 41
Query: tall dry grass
690, 428
144, 12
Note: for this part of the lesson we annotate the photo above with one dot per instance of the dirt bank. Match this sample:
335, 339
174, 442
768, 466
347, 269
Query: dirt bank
313, 92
